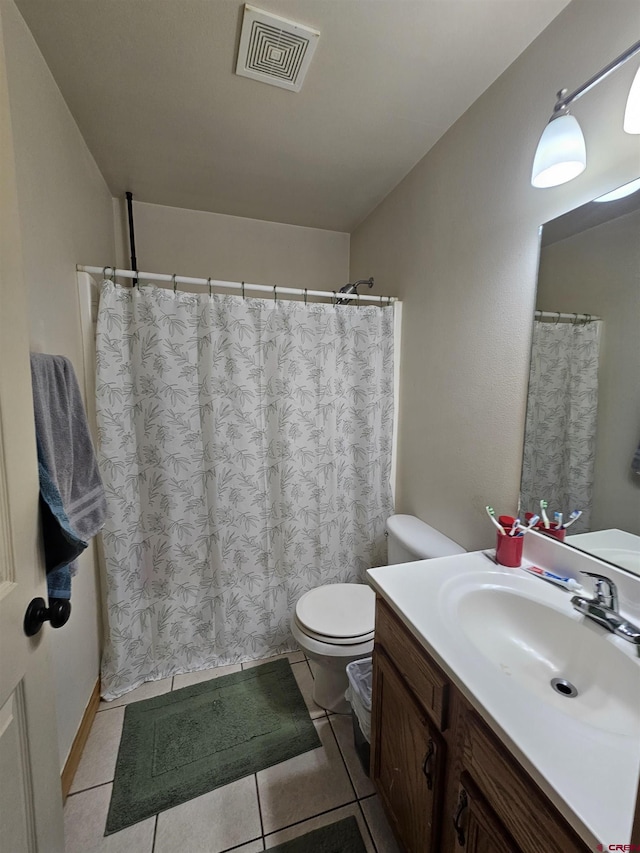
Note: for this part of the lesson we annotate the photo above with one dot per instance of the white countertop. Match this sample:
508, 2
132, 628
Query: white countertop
590, 775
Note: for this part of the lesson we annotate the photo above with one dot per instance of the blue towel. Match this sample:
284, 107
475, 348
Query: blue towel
72, 500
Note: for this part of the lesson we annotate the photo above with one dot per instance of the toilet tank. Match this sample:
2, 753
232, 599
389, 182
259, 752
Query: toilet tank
411, 539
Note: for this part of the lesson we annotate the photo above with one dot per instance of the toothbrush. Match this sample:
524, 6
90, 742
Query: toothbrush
515, 528
532, 522
574, 516
492, 515
557, 516
545, 519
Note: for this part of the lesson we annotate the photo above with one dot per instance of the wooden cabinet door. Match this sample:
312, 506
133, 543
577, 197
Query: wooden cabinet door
477, 828
407, 760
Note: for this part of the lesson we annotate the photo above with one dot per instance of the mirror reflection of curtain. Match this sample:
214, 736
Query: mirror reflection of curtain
560, 432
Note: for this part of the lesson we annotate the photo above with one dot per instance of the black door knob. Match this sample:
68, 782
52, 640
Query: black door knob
57, 614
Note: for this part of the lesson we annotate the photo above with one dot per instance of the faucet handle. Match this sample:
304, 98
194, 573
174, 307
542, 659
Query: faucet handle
605, 589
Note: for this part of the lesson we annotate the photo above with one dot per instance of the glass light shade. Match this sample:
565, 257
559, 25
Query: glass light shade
631, 122
561, 154
621, 192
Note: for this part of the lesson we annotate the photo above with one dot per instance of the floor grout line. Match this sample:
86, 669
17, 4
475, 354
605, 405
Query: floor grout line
310, 817
240, 846
155, 832
90, 788
366, 823
346, 766
255, 778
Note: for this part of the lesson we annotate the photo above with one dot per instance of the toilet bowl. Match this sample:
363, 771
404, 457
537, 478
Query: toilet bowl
334, 624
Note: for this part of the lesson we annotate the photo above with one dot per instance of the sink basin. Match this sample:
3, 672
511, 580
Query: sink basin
534, 643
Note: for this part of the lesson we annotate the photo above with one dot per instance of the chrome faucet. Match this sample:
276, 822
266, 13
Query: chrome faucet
603, 609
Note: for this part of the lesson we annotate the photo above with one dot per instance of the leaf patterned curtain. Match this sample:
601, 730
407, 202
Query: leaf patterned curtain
560, 432
245, 447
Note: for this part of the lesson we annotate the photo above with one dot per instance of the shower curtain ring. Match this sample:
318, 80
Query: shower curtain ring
334, 298
275, 293
388, 301
575, 319
175, 284
305, 296
588, 320
209, 283
557, 318
243, 296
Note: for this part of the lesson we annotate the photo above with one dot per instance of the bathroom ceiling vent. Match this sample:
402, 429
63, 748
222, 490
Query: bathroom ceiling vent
274, 50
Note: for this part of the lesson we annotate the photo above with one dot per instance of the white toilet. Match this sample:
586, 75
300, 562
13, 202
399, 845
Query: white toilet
334, 624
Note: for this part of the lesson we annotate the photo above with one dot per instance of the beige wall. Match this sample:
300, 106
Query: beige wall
65, 218
457, 239
598, 272
230, 248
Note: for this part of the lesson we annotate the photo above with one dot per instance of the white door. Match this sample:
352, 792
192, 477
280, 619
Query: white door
30, 792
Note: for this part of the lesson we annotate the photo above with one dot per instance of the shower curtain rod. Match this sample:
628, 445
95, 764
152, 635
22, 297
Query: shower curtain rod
558, 316
111, 272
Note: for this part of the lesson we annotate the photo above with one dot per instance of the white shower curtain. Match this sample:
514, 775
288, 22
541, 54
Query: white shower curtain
245, 447
560, 432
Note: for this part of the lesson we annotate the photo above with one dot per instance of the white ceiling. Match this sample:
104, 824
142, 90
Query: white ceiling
152, 87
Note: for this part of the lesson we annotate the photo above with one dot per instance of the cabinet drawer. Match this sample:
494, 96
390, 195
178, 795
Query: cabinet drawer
427, 682
525, 812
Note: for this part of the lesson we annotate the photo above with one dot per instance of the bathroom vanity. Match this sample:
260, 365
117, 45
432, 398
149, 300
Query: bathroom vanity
471, 748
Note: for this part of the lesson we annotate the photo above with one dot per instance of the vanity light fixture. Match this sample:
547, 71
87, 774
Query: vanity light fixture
621, 192
561, 153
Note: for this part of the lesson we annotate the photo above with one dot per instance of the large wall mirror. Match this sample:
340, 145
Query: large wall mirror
582, 430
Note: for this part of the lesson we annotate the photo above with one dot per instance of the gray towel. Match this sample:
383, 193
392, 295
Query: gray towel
68, 466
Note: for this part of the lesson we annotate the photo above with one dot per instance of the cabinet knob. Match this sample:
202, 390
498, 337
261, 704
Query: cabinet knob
463, 802
426, 764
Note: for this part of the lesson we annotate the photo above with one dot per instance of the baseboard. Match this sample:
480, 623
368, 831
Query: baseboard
79, 741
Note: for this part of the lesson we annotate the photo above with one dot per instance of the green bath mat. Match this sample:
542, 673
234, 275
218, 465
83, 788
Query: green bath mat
341, 837
182, 744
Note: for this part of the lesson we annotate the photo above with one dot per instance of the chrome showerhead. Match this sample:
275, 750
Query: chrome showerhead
353, 288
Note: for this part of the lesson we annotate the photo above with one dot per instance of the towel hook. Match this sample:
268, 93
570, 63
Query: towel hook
175, 284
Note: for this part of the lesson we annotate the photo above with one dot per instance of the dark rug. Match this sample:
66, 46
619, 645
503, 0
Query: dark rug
341, 837
182, 744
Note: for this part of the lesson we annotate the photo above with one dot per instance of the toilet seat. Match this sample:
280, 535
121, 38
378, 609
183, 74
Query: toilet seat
340, 614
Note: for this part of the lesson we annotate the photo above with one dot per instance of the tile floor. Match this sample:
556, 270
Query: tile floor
252, 814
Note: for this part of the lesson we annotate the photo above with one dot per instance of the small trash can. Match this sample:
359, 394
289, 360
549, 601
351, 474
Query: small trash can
358, 694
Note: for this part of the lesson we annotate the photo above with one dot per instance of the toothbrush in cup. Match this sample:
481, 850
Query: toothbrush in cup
492, 515
521, 527
543, 513
557, 517
574, 516
515, 529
